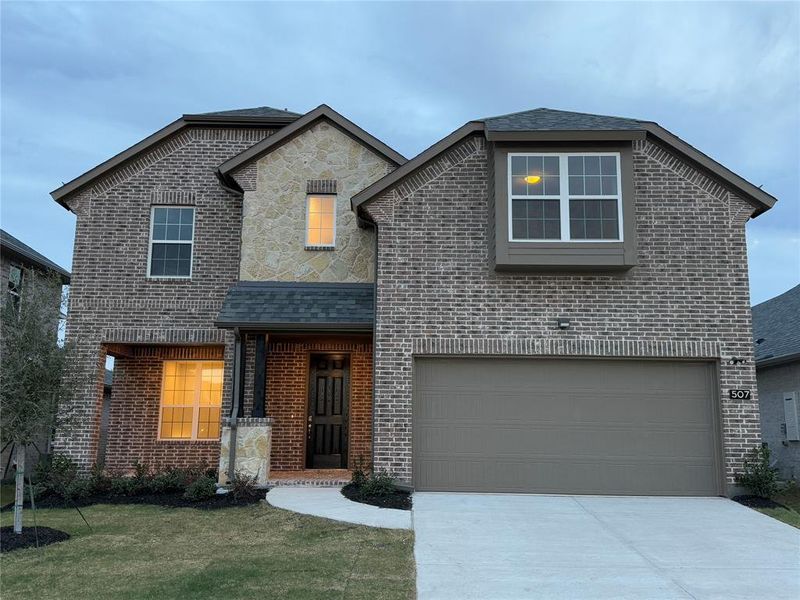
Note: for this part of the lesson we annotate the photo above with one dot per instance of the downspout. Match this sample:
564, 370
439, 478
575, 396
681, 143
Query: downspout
237, 384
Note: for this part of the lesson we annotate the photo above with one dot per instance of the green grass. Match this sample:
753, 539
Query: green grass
143, 552
791, 514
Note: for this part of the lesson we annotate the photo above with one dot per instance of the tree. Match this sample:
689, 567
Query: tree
34, 390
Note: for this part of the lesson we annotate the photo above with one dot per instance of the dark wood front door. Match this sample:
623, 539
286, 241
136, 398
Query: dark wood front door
328, 400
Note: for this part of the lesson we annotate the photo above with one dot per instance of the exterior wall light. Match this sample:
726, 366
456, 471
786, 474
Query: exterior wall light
563, 323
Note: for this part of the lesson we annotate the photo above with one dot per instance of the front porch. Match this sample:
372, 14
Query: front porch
310, 477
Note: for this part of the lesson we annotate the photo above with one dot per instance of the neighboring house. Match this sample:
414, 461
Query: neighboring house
17, 262
776, 333
544, 301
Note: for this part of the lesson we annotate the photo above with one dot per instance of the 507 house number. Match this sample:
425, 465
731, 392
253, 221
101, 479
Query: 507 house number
739, 394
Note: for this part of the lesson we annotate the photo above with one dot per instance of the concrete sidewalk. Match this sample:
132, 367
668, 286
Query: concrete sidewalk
515, 547
330, 504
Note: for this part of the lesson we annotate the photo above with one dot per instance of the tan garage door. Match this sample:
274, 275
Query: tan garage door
566, 426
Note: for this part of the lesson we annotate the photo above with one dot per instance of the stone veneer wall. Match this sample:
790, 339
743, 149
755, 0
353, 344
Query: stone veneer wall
111, 299
287, 396
273, 229
135, 403
688, 297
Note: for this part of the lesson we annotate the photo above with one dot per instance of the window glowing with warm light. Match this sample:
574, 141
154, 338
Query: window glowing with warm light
321, 221
191, 400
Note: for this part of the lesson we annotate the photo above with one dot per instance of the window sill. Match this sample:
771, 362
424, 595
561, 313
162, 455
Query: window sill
565, 256
197, 442
322, 248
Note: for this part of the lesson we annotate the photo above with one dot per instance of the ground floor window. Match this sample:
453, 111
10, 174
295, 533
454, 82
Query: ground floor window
191, 400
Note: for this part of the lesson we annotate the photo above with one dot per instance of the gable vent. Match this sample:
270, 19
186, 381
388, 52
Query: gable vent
321, 186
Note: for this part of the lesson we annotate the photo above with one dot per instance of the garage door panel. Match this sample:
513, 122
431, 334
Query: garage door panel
571, 426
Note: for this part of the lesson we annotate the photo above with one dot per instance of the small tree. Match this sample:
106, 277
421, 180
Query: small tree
757, 474
33, 387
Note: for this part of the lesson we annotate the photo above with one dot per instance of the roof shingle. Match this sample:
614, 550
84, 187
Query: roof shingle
777, 323
258, 111
9, 243
547, 119
298, 306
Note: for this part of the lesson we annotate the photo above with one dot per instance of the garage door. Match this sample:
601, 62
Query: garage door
565, 426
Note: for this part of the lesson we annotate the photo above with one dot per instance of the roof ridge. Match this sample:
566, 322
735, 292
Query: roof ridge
556, 110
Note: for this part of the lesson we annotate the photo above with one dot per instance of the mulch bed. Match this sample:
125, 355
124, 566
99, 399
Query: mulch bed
757, 502
175, 500
397, 499
27, 539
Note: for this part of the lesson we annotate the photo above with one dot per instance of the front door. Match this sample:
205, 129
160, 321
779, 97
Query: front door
328, 396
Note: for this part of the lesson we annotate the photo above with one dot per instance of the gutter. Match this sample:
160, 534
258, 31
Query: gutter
773, 361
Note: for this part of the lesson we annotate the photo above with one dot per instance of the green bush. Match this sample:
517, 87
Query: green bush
100, 482
377, 485
77, 489
360, 472
201, 489
242, 486
170, 481
757, 475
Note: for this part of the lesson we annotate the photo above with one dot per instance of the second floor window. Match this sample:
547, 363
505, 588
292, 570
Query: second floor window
320, 221
565, 197
171, 241
14, 286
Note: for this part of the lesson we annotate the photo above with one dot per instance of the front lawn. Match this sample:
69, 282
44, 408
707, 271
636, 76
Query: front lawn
791, 514
138, 552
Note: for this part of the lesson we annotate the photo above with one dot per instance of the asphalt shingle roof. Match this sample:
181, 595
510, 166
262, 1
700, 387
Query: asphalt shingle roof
8, 243
258, 111
777, 322
546, 119
291, 305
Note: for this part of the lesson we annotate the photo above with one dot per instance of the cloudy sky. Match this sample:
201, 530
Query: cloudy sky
83, 81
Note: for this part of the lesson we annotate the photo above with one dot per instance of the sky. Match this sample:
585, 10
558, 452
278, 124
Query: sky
80, 82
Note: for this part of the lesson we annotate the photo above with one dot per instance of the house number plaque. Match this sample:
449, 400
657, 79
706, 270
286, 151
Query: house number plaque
739, 394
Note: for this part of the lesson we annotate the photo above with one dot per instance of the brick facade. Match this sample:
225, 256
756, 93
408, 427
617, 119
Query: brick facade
287, 396
133, 418
437, 294
113, 303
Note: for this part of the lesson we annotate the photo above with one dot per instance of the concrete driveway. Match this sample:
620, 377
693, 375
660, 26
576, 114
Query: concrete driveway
504, 546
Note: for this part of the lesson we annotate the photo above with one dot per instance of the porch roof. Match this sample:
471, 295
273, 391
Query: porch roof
296, 306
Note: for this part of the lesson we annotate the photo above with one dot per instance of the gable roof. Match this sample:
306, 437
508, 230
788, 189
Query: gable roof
11, 245
264, 116
298, 306
777, 323
545, 124
323, 111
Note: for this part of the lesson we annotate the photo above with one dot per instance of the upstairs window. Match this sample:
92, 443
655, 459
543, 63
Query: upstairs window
14, 286
320, 222
171, 241
191, 400
565, 197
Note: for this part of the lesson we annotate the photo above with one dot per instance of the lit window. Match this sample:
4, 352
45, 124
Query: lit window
171, 241
191, 400
565, 197
320, 221
14, 285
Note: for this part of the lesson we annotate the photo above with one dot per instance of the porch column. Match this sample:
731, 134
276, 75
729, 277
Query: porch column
239, 363
260, 377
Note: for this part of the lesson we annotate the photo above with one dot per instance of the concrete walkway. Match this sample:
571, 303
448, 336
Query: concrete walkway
330, 504
515, 547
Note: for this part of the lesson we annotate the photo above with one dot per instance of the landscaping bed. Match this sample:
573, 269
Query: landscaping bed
751, 501
377, 489
172, 499
30, 538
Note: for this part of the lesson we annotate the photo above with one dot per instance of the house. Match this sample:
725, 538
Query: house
19, 261
776, 333
545, 301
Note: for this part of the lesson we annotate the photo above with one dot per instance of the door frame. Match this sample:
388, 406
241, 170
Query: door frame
719, 448
308, 448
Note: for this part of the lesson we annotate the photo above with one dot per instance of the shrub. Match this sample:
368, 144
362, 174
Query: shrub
57, 473
170, 481
378, 484
77, 489
122, 486
242, 486
100, 482
757, 475
201, 489
360, 472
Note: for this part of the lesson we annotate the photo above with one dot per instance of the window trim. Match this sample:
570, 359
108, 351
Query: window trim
308, 245
564, 198
15, 294
152, 241
196, 405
